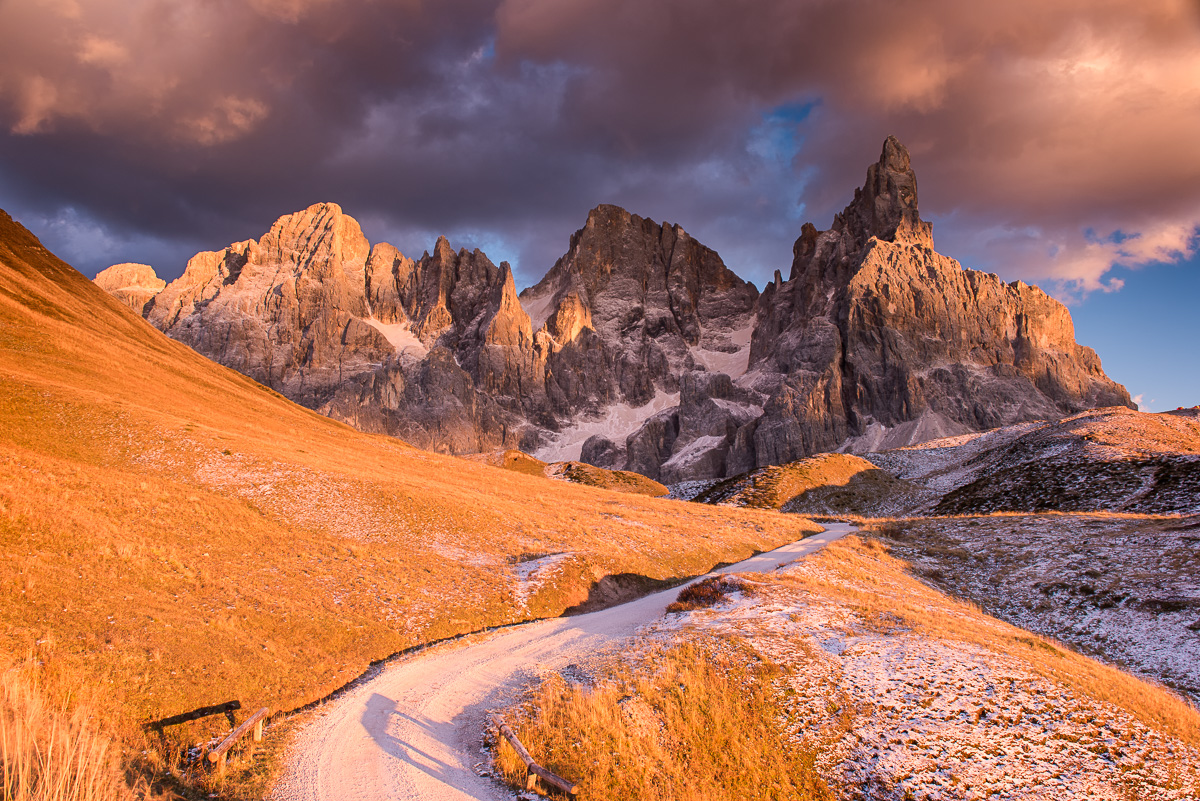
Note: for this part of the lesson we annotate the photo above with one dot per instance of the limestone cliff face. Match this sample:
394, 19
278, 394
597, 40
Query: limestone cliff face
363, 334
639, 349
440, 350
875, 334
132, 284
627, 307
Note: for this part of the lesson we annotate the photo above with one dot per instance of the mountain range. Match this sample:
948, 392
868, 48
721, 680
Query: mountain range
640, 349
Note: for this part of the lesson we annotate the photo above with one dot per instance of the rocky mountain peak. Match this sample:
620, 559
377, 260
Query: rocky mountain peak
886, 205
883, 208
880, 340
640, 349
442, 252
132, 284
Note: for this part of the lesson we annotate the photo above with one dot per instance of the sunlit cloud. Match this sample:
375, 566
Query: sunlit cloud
1052, 141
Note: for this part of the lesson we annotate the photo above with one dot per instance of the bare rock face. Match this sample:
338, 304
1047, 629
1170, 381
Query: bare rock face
875, 332
441, 351
630, 308
132, 284
639, 350
418, 349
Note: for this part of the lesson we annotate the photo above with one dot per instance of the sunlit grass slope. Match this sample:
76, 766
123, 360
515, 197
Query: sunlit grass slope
827, 483
178, 535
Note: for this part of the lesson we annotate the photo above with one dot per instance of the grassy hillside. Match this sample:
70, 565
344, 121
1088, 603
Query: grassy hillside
828, 483
175, 534
575, 472
617, 480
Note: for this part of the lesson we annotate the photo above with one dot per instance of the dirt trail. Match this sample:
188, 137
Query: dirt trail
415, 730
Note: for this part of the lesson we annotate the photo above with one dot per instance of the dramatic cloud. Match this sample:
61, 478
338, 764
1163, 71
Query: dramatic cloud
1052, 140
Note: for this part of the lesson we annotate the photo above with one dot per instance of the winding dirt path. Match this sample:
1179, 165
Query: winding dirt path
415, 730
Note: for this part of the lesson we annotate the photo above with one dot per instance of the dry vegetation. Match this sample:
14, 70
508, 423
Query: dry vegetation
177, 535
895, 690
709, 592
828, 483
575, 472
52, 752
617, 480
682, 723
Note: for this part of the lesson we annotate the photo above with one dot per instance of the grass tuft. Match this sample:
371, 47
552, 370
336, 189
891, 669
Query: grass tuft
709, 592
49, 753
680, 723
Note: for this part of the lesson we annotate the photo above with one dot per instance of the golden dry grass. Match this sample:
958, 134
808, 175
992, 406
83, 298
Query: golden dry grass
860, 573
616, 480
682, 723
178, 535
575, 472
828, 480
52, 753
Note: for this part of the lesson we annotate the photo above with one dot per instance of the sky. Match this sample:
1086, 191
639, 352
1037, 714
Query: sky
1055, 141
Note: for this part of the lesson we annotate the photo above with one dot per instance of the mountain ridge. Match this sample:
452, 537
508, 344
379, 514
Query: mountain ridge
640, 349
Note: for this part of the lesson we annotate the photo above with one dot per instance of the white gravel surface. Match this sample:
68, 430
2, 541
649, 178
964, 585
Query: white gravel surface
415, 731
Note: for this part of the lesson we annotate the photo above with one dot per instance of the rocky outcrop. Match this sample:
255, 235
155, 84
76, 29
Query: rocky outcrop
640, 350
656, 298
441, 351
132, 284
876, 333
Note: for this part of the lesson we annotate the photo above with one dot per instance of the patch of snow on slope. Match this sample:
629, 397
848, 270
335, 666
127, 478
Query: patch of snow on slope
616, 423
1121, 588
903, 713
946, 464
532, 574
538, 309
401, 337
693, 451
748, 410
732, 364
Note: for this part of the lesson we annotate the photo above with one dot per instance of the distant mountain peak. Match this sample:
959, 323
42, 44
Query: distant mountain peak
640, 349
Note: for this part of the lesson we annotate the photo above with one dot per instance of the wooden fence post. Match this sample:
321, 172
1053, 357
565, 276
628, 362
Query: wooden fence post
535, 771
255, 721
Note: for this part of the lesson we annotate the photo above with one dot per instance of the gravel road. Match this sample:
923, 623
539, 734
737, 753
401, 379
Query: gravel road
415, 730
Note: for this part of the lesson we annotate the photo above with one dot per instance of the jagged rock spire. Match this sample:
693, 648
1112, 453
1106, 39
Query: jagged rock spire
886, 205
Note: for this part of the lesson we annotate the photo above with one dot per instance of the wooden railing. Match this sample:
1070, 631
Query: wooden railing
255, 721
534, 771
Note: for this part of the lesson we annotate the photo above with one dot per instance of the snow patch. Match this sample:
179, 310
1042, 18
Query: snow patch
732, 364
401, 337
616, 423
749, 411
539, 309
693, 452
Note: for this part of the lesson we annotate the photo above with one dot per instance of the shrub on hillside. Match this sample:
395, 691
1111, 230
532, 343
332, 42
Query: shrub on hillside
706, 593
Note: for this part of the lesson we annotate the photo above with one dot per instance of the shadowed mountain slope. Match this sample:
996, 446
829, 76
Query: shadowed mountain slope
1110, 459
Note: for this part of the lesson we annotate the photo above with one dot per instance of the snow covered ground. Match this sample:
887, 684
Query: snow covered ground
908, 694
401, 337
1124, 589
733, 363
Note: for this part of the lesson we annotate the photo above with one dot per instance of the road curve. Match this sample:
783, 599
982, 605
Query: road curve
415, 730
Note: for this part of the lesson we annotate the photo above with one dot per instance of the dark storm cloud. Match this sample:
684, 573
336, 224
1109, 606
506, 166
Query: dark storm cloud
1051, 140
1033, 122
